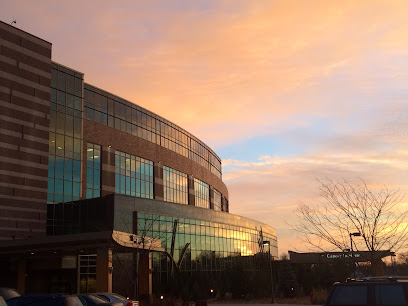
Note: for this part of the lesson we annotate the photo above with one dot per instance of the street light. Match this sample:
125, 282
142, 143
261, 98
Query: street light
356, 234
393, 255
270, 267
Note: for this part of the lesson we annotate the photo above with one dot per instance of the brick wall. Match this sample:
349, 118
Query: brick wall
25, 78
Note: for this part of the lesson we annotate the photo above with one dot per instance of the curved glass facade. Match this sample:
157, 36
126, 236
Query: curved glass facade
97, 185
218, 241
146, 194
107, 109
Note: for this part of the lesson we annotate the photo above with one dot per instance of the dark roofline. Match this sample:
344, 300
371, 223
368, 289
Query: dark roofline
74, 242
26, 32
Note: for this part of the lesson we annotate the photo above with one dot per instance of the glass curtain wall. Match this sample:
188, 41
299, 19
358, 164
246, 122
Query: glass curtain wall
64, 160
175, 186
93, 171
214, 247
105, 108
202, 194
217, 200
133, 175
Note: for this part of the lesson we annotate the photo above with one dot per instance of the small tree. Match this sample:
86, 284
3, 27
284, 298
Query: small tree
349, 208
146, 240
149, 232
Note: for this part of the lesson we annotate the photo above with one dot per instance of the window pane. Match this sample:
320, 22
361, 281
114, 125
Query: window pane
390, 294
350, 295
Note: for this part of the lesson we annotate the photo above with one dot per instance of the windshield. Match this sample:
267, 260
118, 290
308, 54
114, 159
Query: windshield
119, 297
8, 293
95, 298
349, 295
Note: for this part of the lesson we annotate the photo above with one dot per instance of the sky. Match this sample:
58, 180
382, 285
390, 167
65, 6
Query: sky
285, 92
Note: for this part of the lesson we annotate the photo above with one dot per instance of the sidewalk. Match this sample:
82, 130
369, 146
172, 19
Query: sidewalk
255, 304
297, 301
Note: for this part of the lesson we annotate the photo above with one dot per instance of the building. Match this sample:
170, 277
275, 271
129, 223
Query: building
86, 178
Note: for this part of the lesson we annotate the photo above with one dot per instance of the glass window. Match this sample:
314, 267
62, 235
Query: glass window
217, 200
350, 295
133, 175
175, 186
390, 294
64, 170
202, 194
130, 118
93, 170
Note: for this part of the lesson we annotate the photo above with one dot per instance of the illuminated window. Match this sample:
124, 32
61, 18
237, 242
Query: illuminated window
202, 194
217, 200
64, 159
175, 186
133, 175
107, 109
93, 171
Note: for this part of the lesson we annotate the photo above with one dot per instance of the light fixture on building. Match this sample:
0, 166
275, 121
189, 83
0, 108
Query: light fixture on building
268, 243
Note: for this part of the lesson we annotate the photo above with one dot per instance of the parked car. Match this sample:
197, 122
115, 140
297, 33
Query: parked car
116, 298
94, 300
369, 291
8, 293
45, 299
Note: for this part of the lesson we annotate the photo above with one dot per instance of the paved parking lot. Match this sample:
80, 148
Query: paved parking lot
251, 304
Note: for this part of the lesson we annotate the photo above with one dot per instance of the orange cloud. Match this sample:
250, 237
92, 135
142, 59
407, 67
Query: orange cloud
271, 188
231, 70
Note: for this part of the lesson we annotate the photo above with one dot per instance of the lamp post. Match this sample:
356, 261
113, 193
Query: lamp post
357, 234
393, 255
270, 268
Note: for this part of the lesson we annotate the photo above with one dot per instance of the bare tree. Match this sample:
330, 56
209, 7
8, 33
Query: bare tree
150, 232
348, 209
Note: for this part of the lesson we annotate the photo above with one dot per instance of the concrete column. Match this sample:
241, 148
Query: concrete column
224, 203
191, 193
211, 197
107, 170
378, 268
21, 275
145, 274
104, 270
158, 181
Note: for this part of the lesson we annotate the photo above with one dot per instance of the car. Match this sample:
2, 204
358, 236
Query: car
116, 298
369, 291
94, 300
45, 299
8, 293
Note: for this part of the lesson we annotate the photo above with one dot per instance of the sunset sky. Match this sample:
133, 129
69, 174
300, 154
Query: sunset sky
285, 92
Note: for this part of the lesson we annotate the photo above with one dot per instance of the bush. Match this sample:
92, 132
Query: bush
319, 296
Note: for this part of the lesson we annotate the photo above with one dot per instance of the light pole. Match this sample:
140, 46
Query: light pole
357, 234
270, 268
393, 255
